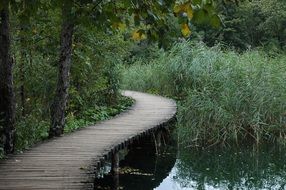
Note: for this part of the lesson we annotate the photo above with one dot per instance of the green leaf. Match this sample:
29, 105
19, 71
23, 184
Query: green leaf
215, 21
200, 17
136, 20
209, 8
197, 2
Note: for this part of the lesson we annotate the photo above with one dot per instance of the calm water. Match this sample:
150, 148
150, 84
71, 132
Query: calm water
187, 169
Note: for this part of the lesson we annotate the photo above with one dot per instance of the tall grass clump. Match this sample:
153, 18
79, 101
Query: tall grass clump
224, 97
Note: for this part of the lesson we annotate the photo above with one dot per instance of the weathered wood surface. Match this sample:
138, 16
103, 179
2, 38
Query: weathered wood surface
69, 162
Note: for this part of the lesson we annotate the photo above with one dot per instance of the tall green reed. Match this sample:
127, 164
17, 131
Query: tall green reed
225, 97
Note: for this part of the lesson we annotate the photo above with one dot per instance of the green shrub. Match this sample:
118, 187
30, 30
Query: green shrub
95, 114
225, 96
30, 130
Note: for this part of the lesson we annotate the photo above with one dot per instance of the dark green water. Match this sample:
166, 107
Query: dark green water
188, 169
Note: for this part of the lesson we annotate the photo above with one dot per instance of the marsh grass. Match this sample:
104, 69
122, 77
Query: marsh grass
224, 97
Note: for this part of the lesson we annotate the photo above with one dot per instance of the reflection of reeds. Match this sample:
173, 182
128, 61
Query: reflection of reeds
234, 168
225, 96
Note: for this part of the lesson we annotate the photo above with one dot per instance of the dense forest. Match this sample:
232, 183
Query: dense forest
63, 62
229, 80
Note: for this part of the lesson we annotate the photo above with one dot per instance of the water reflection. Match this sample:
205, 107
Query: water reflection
245, 168
141, 169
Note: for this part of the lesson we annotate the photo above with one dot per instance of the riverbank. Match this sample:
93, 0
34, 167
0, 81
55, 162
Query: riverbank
187, 169
224, 97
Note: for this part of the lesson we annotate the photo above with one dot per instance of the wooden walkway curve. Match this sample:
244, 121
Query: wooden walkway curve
68, 162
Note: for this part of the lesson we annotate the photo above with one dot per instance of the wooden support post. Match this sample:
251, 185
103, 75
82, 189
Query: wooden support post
115, 170
164, 140
158, 141
155, 143
115, 163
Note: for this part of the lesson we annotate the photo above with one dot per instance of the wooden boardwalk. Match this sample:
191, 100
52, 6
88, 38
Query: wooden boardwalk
69, 162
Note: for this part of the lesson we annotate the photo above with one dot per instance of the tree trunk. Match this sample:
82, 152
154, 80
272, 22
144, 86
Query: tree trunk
60, 100
23, 58
7, 103
22, 86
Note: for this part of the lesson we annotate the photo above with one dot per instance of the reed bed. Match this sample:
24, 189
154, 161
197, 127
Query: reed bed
224, 97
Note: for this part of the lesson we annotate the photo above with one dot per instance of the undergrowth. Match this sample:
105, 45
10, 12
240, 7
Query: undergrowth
31, 130
224, 97
96, 114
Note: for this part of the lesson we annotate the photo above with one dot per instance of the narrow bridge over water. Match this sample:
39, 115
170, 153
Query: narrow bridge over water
69, 162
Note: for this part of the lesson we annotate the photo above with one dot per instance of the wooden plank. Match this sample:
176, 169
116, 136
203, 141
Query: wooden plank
68, 162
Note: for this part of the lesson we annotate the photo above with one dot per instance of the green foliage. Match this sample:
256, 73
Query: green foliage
166, 74
94, 73
94, 86
225, 97
143, 52
248, 25
30, 130
187, 75
1, 153
96, 53
95, 114
151, 19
